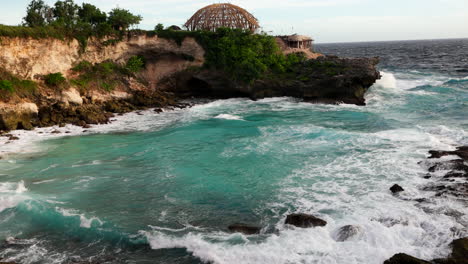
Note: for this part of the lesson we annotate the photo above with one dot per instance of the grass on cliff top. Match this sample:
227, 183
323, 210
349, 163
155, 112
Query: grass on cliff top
34, 32
12, 86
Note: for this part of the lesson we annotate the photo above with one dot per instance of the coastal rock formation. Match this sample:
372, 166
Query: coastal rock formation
458, 256
454, 181
18, 116
327, 79
304, 220
30, 58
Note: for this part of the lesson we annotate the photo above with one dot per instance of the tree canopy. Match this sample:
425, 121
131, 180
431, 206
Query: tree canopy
87, 17
37, 14
122, 19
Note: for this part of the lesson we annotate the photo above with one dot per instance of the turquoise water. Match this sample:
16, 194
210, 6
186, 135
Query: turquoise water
162, 188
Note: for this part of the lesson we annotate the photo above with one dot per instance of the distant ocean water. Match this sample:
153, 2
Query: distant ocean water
162, 188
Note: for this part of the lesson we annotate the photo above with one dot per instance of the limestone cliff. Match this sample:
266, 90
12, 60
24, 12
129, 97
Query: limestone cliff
30, 58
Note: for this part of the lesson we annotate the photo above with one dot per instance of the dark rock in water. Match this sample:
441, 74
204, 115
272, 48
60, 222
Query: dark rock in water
460, 250
457, 164
459, 253
462, 152
347, 232
244, 229
327, 79
396, 188
86, 126
55, 132
13, 138
158, 110
304, 220
401, 258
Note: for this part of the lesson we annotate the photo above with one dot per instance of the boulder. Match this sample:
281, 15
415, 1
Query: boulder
304, 220
347, 232
396, 188
244, 229
72, 96
401, 258
17, 116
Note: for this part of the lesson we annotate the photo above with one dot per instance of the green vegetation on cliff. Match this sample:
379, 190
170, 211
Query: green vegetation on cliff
11, 86
105, 76
244, 56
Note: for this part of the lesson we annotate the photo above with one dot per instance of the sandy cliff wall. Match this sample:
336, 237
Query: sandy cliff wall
29, 58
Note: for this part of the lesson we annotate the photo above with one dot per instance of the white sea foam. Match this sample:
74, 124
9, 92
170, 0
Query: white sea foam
358, 194
228, 117
387, 80
85, 222
11, 194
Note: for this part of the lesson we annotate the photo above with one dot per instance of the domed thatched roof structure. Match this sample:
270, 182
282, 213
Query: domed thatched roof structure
215, 16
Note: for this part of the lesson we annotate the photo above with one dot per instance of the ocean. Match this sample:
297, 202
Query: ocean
163, 188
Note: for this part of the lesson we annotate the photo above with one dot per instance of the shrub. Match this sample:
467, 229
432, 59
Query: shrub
6, 85
135, 64
54, 79
83, 66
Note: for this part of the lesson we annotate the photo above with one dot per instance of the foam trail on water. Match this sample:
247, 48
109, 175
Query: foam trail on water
228, 117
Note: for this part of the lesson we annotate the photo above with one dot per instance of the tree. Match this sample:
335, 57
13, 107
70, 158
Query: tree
121, 19
91, 14
38, 14
159, 27
66, 13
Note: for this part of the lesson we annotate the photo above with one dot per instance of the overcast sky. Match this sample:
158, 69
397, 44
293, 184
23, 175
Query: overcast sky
325, 20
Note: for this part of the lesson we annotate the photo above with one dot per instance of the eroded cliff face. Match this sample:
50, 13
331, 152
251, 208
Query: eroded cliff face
30, 58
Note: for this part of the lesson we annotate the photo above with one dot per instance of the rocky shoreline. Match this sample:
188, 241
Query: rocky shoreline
448, 172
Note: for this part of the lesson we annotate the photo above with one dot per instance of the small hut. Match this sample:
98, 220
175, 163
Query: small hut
174, 27
297, 41
226, 15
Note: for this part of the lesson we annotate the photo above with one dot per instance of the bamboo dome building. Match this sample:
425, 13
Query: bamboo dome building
226, 15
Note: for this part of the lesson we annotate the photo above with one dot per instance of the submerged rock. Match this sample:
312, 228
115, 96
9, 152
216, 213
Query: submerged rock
396, 188
347, 232
244, 229
402, 258
304, 220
